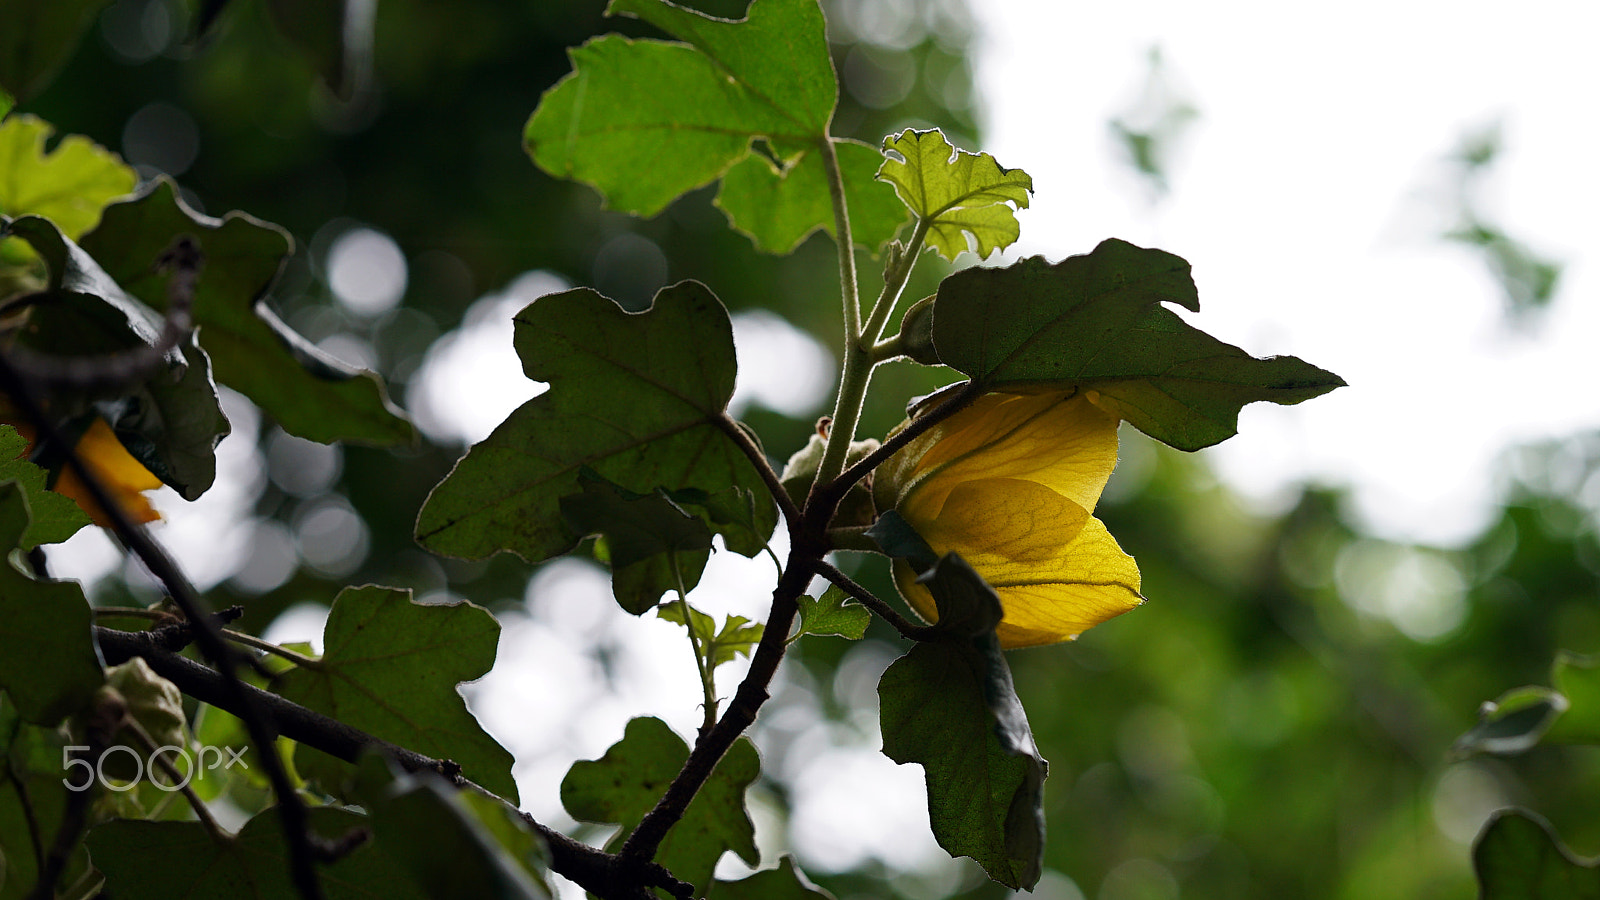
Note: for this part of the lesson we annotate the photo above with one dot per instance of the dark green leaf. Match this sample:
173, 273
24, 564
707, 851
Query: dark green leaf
895, 536
778, 208
786, 882
37, 38
33, 797
50, 666
70, 184
834, 613
959, 194
625, 784
431, 831
1517, 857
163, 860
1096, 322
53, 517
637, 397
309, 393
653, 545
390, 667
950, 706
6, 103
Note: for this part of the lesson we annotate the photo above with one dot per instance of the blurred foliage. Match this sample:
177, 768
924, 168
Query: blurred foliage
1276, 722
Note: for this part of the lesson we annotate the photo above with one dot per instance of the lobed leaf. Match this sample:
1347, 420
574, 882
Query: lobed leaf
736, 637
390, 667
636, 397
51, 667
1096, 321
1517, 857
780, 207
833, 613
950, 705
623, 786
653, 545
447, 845
958, 194
69, 185
309, 393
53, 517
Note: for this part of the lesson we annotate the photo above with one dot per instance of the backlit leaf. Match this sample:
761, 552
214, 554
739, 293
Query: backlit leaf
959, 194
70, 184
653, 545
310, 394
53, 517
37, 38
390, 667
834, 613
636, 397
624, 784
1096, 321
778, 209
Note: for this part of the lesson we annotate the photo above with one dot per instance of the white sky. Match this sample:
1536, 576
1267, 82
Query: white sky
1307, 196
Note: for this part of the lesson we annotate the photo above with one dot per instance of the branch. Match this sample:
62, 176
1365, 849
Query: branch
906, 627
748, 446
207, 636
596, 871
831, 493
642, 844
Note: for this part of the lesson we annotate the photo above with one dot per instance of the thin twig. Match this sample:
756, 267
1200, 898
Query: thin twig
208, 637
836, 489
201, 811
748, 447
906, 627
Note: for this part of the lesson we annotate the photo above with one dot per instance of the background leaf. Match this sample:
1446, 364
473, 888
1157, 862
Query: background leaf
1095, 321
786, 882
52, 517
70, 184
33, 797
960, 194
624, 784
390, 667
428, 828
310, 394
633, 396
37, 38
50, 666
1518, 858
950, 706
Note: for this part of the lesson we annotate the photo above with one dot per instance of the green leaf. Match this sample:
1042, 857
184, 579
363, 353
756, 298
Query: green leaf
50, 666
171, 420
53, 517
6, 103
834, 613
70, 184
958, 194
37, 38
950, 705
33, 797
1096, 322
646, 121
430, 829
625, 784
653, 545
162, 860
1577, 678
779, 207
310, 394
736, 638
786, 882
390, 667
1518, 857
637, 397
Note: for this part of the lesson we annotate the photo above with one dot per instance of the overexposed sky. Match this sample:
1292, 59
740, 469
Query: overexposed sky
1309, 194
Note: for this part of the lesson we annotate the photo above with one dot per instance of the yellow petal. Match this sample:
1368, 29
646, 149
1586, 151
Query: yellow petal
1057, 570
1055, 439
122, 475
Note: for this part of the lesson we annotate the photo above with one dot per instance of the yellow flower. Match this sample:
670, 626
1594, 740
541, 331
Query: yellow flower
1009, 483
122, 475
